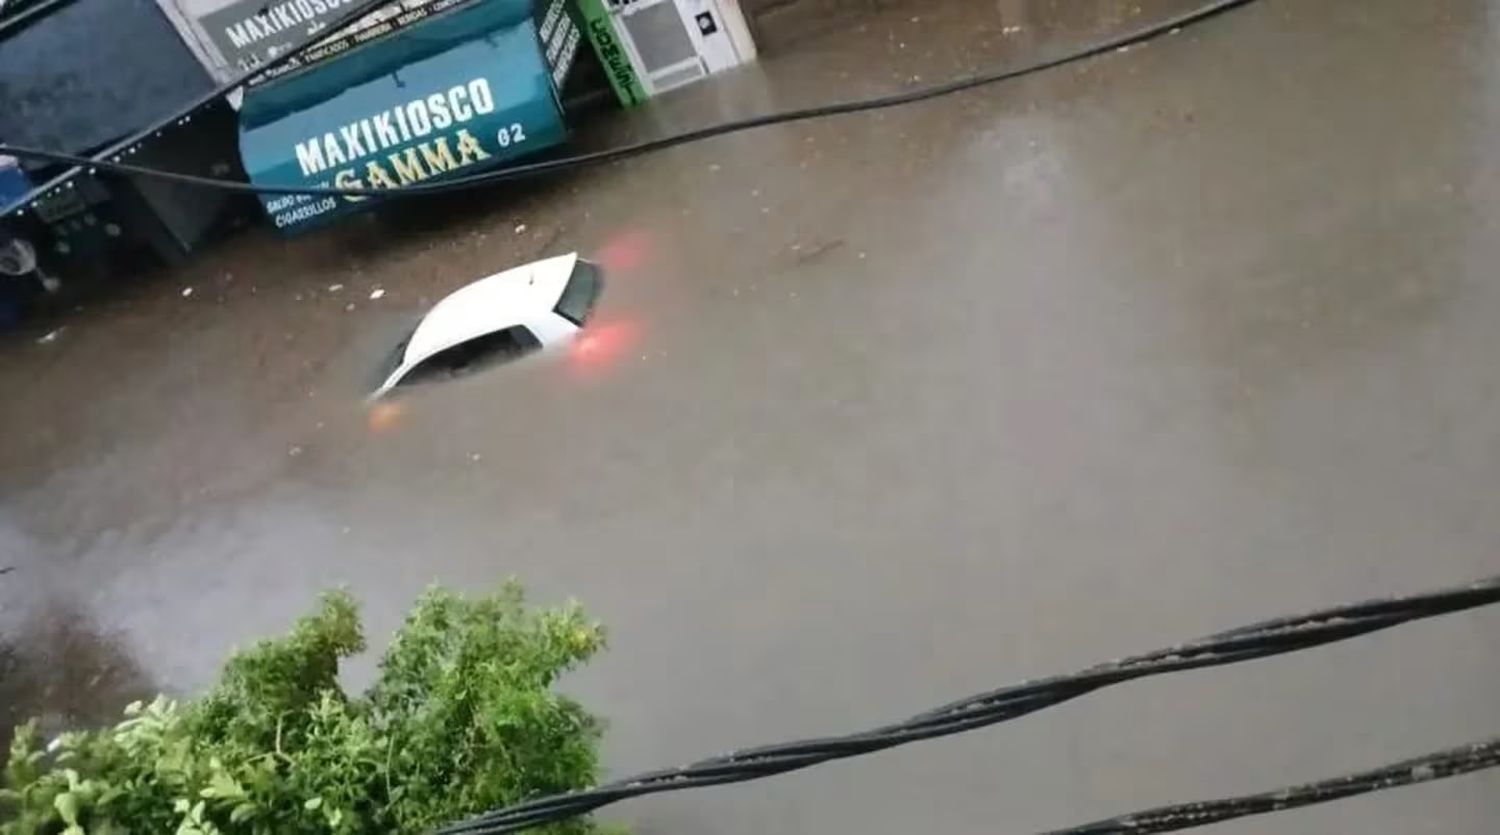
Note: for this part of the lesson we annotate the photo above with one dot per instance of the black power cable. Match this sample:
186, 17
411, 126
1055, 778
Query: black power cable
28, 14
1275, 637
1438, 766
1131, 38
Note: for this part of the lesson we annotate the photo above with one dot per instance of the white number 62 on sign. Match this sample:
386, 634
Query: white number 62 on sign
512, 134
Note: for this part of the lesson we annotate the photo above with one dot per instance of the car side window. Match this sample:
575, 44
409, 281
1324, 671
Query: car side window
473, 355
526, 340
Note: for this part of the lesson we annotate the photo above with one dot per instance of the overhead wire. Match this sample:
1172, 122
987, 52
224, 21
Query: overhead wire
1437, 766
1125, 40
25, 15
1261, 640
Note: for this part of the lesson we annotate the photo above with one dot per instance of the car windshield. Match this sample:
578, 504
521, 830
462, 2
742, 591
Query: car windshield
473, 355
579, 296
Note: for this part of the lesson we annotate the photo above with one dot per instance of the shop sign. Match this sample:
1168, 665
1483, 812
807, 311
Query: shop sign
454, 113
248, 33
617, 67
560, 37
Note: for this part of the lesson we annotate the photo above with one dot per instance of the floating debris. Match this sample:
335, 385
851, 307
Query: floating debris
376, 293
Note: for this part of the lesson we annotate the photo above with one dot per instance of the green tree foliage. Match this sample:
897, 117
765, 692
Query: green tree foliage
462, 718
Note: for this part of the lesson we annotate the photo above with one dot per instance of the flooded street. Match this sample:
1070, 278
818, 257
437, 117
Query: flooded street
885, 409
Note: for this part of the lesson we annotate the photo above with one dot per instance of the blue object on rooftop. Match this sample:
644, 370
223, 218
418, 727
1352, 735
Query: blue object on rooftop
14, 184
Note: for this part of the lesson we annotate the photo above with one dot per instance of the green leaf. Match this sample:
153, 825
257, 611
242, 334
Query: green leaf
242, 812
222, 786
66, 805
312, 803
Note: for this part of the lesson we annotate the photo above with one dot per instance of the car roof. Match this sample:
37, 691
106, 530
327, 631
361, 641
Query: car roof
491, 304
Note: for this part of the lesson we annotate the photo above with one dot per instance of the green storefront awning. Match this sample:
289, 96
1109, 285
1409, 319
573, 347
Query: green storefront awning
453, 95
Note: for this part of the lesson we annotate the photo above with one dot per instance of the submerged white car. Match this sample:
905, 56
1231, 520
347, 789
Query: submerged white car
497, 319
